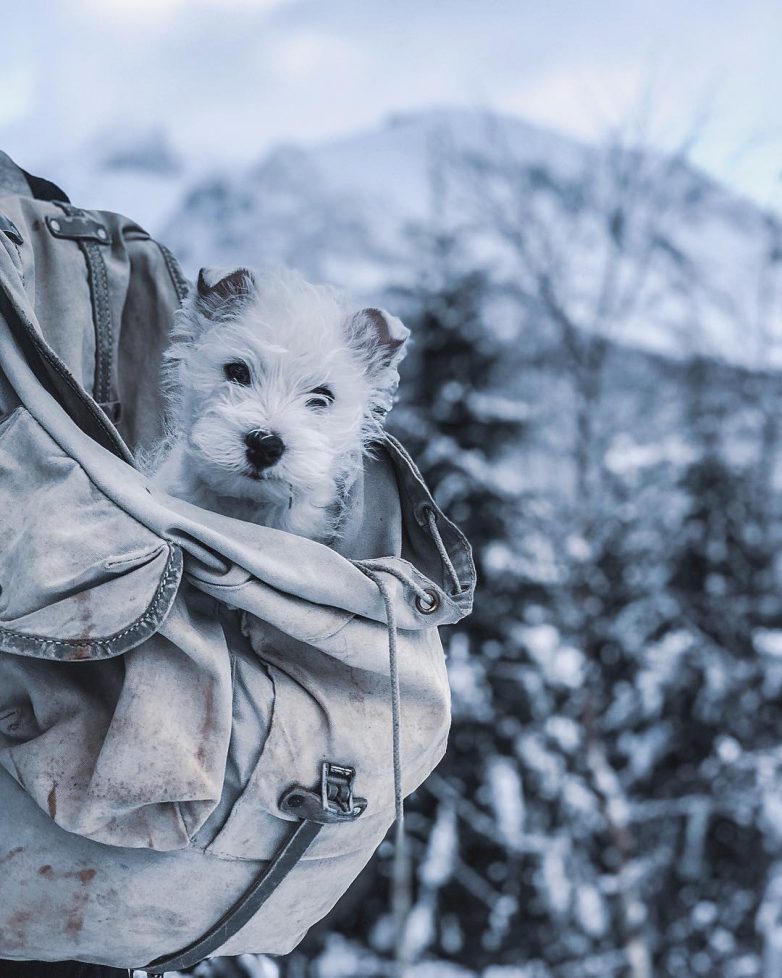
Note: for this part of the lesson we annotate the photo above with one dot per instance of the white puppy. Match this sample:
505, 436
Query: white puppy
276, 389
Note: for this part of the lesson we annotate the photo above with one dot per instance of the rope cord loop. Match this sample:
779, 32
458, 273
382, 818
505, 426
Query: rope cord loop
431, 519
396, 711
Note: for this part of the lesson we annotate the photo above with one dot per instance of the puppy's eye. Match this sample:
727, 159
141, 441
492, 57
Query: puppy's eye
321, 397
238, 372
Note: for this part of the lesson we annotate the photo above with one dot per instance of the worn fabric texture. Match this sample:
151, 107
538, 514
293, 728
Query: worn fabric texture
144, 746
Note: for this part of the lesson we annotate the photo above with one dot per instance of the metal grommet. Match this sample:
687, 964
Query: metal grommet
54, 225
434, 601
101, 234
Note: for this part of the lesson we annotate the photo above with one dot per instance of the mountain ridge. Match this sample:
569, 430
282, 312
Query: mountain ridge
342, 210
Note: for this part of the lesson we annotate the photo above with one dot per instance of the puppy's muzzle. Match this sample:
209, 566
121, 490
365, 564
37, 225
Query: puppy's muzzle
264, 448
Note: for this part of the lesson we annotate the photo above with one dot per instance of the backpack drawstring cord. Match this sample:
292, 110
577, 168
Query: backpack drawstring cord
401, 886
431, 519
393, 664
401, 896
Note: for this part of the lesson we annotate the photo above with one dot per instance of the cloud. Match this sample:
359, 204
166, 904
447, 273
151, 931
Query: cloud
313, 54
228, 78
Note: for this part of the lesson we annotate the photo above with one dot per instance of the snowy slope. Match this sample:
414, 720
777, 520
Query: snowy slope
342, 209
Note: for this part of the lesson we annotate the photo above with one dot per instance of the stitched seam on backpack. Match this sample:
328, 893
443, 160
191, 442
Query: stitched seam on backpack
99, 288
148, 616
174, 271
101, 313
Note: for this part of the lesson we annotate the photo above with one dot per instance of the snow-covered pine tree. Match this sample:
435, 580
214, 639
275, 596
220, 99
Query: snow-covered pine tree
465, 429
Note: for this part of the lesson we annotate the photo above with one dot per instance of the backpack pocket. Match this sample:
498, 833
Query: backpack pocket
80, 579
326, 710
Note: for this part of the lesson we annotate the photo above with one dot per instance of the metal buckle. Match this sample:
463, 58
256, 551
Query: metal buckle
336, 788
335, 802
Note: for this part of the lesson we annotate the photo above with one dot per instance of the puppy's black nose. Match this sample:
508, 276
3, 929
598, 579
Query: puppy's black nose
264, 448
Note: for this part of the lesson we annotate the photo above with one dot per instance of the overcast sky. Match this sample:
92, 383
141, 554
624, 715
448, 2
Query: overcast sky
228, 78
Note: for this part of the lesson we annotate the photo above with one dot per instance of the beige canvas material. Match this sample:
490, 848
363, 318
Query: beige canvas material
144, 746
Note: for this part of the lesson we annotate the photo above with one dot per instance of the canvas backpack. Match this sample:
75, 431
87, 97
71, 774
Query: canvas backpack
167, 793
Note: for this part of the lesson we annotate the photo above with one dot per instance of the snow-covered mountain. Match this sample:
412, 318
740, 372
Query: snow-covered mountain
704, 263
343, 209
696, 268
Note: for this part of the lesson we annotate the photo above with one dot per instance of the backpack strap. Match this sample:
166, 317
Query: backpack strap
245, 908
178, 280
334, 802
92, 236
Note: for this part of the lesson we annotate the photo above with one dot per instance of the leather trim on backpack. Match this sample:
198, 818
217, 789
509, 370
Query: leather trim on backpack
91, 235
42, 189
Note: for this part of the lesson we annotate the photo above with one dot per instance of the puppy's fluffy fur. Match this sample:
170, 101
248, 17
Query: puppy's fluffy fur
276, 388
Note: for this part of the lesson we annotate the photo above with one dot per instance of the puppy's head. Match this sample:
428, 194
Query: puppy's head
278, 386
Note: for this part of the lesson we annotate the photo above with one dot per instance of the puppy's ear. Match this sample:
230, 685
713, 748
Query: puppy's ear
379, 337
218, 289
